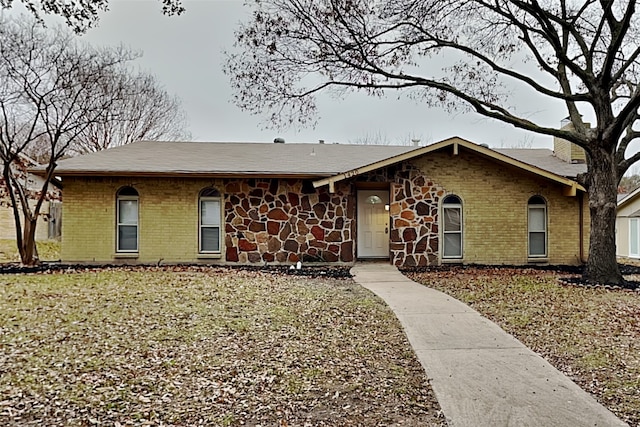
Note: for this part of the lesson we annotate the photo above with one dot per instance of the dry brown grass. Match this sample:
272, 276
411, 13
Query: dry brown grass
590, 334
199, 346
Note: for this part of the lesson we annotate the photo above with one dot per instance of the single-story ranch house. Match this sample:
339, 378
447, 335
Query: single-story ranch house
251, 203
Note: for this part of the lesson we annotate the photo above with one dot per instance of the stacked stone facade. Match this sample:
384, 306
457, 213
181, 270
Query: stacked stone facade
413, 212
414, 219
271, 220
275, 220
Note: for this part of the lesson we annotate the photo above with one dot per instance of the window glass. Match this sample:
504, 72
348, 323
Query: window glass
128, 211
127, 191
210, 212
537, 244
209, 192
537, 225
452, 227
210, 220
453, 245
127, 220
210, 239
452, 219
537, 220
537, 200
373, 200
128, 237
452, 200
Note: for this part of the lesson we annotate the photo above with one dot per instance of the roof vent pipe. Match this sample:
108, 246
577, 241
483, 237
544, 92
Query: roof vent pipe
321, 141
279, 140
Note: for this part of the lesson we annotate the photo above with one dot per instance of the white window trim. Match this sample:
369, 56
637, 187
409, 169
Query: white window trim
200, 225
545, 231
631, 254
119, 224
461, 232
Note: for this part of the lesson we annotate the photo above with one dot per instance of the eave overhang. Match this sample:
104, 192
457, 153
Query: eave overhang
182, 174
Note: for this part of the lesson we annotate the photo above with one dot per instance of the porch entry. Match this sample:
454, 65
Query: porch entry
373, 224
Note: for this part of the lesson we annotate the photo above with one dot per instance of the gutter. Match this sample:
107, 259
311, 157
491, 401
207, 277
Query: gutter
185, 174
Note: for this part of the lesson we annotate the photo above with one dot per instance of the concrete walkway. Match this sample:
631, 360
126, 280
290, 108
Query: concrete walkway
481, 375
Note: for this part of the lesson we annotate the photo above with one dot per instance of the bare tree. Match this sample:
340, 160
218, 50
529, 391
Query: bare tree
583, 55
381, 138
526, 141
372, 138
413, 138
80, 14
50, 92
147, 113
629, 183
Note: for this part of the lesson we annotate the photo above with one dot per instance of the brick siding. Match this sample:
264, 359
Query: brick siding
279, 222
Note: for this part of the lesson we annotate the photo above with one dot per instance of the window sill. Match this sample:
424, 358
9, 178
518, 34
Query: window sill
543, 260
126, 255
452, 260
210, 256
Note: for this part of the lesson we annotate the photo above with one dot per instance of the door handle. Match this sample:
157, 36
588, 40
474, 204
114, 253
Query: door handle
386, 230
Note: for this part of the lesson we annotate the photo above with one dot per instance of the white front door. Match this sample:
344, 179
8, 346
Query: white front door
373, 224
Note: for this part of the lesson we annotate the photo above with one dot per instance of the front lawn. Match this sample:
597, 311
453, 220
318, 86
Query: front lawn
590, 334
203, 346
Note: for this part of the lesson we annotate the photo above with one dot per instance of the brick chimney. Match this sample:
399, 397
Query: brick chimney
565, 150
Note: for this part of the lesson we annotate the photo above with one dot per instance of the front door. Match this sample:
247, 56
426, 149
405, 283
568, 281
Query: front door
373, 224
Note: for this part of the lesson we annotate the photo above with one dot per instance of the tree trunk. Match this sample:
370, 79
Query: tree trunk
602, 182
28, 250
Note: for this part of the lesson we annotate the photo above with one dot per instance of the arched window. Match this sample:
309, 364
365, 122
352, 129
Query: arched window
127, 220
452, 227
537, 227
209, 220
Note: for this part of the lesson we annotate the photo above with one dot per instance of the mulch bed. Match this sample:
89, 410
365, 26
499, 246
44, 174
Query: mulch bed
329, 271
573, 273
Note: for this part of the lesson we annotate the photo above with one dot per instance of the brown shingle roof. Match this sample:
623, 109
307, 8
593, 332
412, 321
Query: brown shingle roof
227, 158
262, 159
544, 159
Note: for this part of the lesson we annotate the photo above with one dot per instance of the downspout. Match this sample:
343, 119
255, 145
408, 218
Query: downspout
581, 225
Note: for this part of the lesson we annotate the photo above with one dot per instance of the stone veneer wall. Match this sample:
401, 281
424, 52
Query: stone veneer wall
271, 220
414, 218
413, 211
278, 220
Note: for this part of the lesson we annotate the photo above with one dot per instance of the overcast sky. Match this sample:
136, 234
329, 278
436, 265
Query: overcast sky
185, 53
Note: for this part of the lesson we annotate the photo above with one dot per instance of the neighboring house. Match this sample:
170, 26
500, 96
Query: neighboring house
628, 225
240, 203
49, 220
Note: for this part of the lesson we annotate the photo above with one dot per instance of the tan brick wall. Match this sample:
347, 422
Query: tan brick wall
568, 151
168, 222
578, 153
494, 198
562, 149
